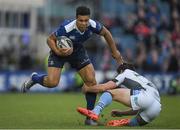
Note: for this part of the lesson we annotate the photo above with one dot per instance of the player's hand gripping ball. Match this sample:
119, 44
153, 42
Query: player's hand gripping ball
65, 46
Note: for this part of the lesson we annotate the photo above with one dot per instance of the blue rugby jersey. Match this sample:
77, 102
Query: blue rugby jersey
68, 28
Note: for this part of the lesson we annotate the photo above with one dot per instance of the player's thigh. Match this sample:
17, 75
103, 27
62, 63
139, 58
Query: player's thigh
54, 74
55, 65
87, 74
121, 95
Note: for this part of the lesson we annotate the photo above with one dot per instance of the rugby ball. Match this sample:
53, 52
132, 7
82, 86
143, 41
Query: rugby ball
64, 42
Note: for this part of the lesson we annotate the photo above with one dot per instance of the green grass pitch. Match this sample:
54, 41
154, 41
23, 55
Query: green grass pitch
58, 111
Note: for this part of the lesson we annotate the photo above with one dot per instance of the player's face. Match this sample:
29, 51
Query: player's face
82, 22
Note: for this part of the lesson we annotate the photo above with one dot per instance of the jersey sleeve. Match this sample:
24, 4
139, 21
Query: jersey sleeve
60, 31
96, 26
119, 78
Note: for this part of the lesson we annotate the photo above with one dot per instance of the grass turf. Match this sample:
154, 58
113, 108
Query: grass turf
58, 111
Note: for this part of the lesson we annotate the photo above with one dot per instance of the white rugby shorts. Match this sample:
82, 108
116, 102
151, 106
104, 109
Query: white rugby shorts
146, 102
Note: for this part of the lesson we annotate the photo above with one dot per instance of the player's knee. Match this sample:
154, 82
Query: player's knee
113, 94
121, 95
52, 83
116, 94
90, 81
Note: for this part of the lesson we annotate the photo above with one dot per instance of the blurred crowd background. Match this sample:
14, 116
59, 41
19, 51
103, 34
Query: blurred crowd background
147, 32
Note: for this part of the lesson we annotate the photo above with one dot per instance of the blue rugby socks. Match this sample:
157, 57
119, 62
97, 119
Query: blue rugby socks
91, 99
134, 122
105, 100
38, 78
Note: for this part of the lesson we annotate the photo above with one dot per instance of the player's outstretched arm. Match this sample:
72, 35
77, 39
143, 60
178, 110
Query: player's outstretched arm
109, 39
119, 113
99, 88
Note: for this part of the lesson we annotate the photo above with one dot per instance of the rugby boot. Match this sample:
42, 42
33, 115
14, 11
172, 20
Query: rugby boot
28, 84
88, 113
121, 122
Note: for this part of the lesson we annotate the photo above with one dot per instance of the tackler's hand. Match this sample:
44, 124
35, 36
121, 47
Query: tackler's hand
117, 56
116, 113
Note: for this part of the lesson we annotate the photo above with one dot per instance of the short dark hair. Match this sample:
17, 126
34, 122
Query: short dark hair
82, 10
124, 66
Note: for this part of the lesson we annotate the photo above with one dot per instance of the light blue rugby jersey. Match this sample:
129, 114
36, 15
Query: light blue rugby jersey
68, 28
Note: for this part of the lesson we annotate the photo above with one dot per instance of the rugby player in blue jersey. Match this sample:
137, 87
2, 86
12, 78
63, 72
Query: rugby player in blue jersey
78, 30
